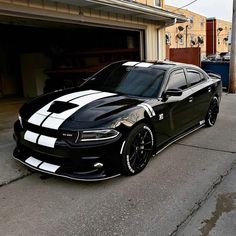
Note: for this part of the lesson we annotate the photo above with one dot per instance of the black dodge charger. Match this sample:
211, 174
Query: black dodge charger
118, 119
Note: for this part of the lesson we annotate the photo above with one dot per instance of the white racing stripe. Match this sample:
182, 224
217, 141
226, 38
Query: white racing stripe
144, 64
42, 139
55, 120
47, 141
148, 109
130, 63
38, 117
31, 136
33, 161
49, 167
52, 123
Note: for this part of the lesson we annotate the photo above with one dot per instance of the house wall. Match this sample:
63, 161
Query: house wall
196, 28
151, 2
48, 10
223, 37
213, 42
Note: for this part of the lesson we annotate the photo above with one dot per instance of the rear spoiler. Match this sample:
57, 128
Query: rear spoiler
213, 75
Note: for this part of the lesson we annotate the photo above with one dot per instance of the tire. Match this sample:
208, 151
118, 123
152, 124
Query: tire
137, 150
212, 112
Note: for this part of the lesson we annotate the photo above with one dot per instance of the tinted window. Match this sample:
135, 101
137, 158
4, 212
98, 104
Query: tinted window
137, 81
194, 77
177, 80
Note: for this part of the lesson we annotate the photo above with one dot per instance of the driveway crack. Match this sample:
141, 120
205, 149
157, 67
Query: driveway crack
205, 148
202, 200
16, 179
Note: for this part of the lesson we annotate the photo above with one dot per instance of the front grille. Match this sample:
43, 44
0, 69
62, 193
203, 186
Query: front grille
65, 135
41, 130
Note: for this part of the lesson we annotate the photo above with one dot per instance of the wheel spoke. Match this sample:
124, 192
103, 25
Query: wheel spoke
150, 142
134, 158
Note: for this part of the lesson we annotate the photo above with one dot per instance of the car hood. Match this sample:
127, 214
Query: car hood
90, 106
105, 108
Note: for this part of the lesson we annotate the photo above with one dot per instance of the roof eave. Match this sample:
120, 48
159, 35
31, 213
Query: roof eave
133, 9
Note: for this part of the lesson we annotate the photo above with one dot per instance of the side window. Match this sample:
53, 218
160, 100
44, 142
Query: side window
177, 80
195, 77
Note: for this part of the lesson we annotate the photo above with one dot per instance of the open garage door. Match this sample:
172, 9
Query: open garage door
38, 56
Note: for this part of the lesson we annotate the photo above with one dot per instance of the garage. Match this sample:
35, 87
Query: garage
37, 58
51, 45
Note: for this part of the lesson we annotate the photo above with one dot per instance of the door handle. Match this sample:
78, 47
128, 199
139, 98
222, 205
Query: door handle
190, 99
209, 90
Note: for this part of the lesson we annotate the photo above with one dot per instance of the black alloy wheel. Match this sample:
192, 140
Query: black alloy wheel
212, 112
137, 150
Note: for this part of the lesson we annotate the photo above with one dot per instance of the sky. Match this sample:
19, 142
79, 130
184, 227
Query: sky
221, 9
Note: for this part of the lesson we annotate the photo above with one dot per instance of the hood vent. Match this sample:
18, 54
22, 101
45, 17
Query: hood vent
59, 107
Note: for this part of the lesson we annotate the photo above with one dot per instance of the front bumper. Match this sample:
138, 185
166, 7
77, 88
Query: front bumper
96, 161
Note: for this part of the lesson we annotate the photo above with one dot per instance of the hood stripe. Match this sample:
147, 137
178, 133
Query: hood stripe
38, 117
54, 121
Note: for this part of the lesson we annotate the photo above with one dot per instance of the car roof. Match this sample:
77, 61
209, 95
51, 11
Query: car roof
162, 65
166, 65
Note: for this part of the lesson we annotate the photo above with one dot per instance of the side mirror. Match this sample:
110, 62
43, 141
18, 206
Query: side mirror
174, 92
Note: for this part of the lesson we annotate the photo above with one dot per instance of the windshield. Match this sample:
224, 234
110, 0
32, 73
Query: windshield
136, 81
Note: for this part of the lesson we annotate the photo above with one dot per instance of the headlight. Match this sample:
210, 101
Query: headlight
96, 135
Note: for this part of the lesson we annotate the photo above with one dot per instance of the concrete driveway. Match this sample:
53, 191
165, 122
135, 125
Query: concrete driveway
165, 199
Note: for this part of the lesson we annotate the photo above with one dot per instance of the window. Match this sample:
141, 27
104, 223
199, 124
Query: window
194, 77
121, 79
191, 19
168, 38
202, 22
157, 3
177, 80
181, 40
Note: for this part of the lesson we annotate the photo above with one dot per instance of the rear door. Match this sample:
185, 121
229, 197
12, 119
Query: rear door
202, 92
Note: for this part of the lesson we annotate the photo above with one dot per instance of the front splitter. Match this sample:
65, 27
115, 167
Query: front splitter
51, 169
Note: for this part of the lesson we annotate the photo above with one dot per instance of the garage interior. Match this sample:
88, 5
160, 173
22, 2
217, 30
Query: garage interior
37, 56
